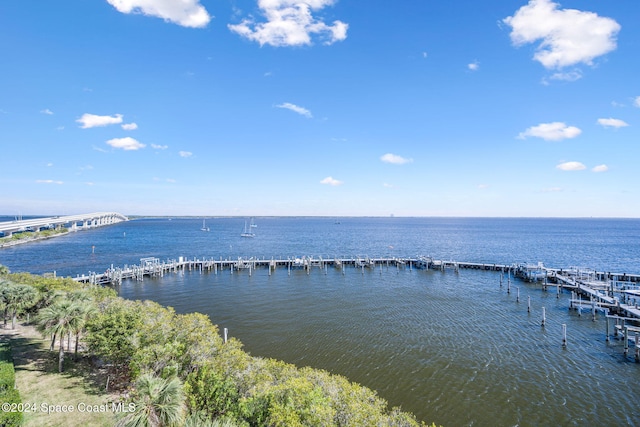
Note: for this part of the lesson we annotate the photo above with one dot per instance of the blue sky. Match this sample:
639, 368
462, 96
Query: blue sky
324, 107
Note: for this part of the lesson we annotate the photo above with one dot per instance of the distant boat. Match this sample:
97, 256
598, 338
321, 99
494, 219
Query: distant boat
252, 224
204, 226
248, 232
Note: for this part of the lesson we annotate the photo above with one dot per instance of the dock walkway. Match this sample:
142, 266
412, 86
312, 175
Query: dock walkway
589, 289
613, 293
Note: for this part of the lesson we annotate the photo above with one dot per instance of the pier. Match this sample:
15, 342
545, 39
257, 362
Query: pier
615, 294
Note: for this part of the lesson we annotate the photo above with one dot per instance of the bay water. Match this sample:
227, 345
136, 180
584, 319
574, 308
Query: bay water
453, 348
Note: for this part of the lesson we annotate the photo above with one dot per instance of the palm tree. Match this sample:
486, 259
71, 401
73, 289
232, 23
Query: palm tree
3, 300
159, 403
85, 309
17, 298
57, 320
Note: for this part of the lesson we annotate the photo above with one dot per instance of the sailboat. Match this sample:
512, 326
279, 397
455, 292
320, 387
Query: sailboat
204, 226
248, 231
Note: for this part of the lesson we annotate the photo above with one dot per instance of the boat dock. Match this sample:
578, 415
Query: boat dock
154, 267
595, 286
615, 294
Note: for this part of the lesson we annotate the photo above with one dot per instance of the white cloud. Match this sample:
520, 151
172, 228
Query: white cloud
295, 108
424, 55
387, 185
49, 181
331, 181
568, 36
91, 120
555, 131
571, 166
570, 76
474, 66
102, 150
600, 168
185, 153
159, 147
612, 123
47, 112
483, 186
187, 13
130, 126
290, 23
127, 143
395, 159
636, 101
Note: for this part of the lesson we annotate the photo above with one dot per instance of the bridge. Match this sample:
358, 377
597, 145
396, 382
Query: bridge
72, 222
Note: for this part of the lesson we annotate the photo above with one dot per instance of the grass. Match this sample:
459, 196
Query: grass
39, 383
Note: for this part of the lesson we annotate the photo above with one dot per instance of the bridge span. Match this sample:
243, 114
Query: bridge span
72, 222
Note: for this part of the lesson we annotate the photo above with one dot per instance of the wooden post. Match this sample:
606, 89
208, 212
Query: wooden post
226, 332
544, 317
564, 335
607, 339
580, 305
637, 342
626, 340
529, 304
573, 295
517, 293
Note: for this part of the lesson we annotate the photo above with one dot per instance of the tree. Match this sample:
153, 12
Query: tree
3, 300
211, 392
85, 309
159, 402
113, 331
17, 298
57, 320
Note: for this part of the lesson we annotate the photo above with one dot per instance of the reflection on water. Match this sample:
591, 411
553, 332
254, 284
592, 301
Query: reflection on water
452, 348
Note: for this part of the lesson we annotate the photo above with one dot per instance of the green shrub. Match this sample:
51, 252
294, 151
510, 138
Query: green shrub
8, 394
8, 418
7, 376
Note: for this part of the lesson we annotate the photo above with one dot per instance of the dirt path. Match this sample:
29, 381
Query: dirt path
75, 397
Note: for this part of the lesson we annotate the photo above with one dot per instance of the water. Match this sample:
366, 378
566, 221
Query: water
451, 348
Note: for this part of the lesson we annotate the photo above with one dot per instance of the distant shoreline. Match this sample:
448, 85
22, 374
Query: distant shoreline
30, 239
